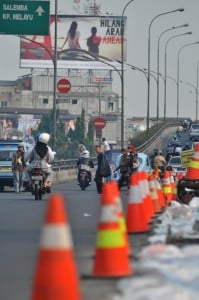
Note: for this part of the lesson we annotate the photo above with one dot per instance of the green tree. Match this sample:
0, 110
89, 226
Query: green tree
60, 139
79, 136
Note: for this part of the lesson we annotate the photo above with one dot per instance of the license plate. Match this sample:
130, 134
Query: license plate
36, 177
84, 167
5, 169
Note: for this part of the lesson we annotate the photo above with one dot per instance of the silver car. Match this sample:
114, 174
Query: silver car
175, 166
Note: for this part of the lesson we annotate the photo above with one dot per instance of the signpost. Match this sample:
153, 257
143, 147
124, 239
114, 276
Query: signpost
99, 123
63, 86
24, 17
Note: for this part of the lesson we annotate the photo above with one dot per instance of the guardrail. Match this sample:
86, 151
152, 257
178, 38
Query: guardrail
69, 164
144, 146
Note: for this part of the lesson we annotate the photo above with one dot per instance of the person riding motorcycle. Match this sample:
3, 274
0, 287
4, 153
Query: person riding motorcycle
159, 162
125, 168
133, 158
186, 147
83, 162
40, 157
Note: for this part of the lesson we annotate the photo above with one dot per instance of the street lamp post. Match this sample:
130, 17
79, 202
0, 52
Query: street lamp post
165, 70
178, 73
54, 61
158, 64
122, 74
197, 78
145, 72
149, 54
55, 83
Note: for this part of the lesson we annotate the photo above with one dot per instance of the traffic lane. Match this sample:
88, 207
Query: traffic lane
21, 221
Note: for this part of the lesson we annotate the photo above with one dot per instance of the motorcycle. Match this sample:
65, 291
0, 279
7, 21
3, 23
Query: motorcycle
124, 180
84, 176
38, 178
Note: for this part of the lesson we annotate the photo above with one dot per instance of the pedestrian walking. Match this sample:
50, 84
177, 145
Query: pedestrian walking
18, 168
103, 169
107, 149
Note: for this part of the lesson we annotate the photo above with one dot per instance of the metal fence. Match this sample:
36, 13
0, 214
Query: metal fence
69, 164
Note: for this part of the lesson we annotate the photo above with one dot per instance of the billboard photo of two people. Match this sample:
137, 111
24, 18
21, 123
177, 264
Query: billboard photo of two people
96, 35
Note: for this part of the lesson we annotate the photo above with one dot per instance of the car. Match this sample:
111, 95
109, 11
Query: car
175, 166
7, 148
194, 132
114, 160
145, 163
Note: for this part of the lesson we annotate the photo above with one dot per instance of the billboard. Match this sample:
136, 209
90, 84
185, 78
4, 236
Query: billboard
79, 40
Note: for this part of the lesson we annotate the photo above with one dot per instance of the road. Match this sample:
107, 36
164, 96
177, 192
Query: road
21, 221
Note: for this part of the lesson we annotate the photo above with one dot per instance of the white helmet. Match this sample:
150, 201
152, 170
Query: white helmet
86, 154
44, 138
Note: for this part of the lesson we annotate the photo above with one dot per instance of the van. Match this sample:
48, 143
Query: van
7, 148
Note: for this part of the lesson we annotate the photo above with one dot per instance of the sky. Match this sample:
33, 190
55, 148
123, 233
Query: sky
139, 14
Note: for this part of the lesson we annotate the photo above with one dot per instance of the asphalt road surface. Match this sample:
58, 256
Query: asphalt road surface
21, 221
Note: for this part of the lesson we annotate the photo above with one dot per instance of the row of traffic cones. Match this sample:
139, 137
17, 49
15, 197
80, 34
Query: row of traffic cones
56, 274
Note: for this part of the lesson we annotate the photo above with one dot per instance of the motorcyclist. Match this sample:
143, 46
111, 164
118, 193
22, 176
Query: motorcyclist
155, 153
84, 162
133, 158
124, 167
169, 152
159, 162
186, 147
40, 156
177, 149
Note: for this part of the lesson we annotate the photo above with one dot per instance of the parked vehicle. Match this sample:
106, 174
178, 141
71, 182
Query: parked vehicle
194, 132
38, 178
175, 166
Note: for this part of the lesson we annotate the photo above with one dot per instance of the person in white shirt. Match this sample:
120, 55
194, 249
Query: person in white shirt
107, 148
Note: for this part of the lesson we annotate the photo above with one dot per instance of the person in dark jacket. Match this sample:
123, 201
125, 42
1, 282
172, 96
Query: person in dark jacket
41, 156
103, 169
18, 168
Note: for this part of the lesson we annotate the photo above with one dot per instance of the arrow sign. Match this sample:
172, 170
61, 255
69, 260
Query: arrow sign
24, 17
39, 10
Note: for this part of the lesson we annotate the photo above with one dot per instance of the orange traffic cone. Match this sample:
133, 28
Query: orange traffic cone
193, 168
111, 259
146, 194
173, 187
136, 218
161, 196
154, 193
56, 276
166, 187
121, 217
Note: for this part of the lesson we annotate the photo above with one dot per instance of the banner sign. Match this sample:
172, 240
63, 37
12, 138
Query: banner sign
99, 36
